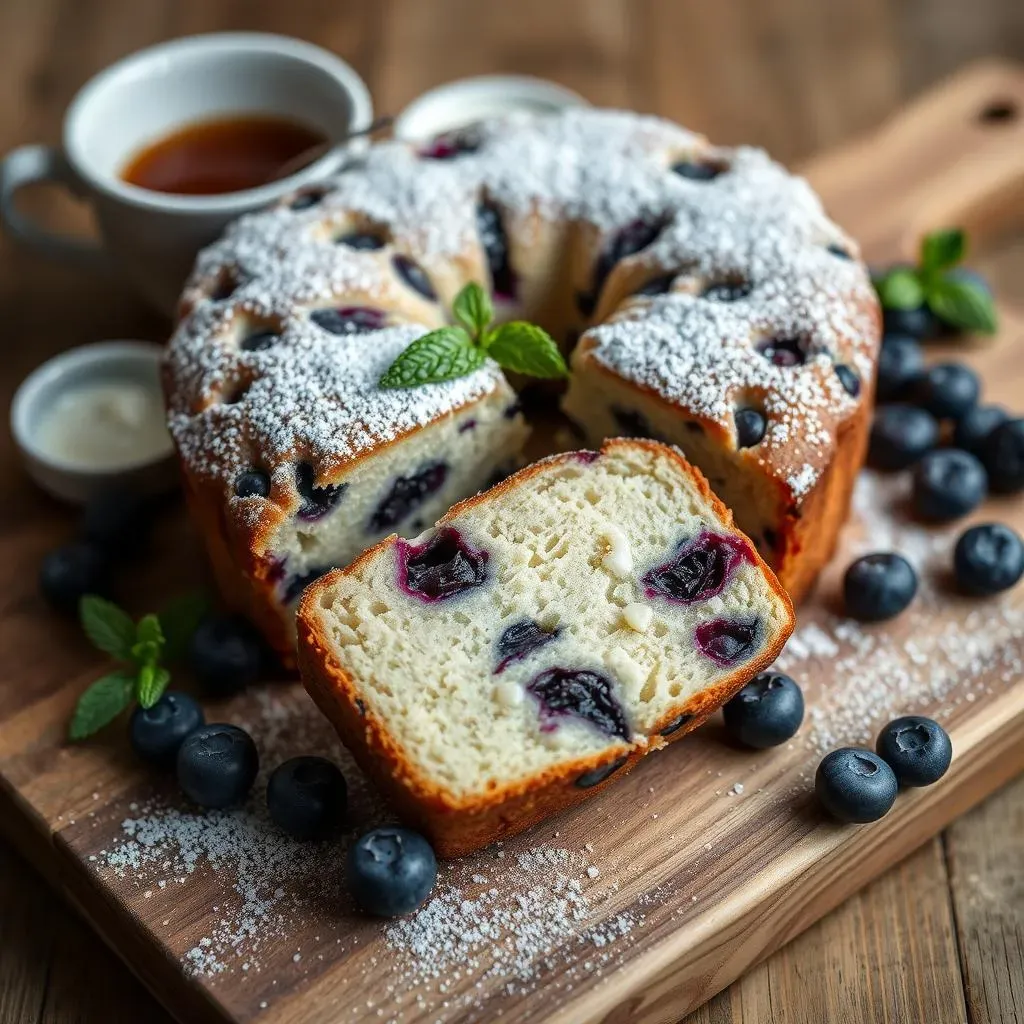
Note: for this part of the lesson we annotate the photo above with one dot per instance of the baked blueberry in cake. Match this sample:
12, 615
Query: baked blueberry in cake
717, 308
541, 638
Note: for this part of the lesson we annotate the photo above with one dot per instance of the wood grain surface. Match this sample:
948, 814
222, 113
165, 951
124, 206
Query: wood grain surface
940, 937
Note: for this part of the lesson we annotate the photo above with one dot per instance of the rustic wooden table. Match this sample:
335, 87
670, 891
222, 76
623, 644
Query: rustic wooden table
945, 929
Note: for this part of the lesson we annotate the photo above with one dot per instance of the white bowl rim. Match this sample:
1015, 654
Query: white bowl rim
226, 42
26, 398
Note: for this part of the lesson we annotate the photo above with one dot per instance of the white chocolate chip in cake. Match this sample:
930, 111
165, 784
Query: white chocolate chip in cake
629, 674
638, 616
508, 694
618, 559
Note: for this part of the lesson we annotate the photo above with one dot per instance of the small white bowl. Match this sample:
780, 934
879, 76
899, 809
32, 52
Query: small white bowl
136, 361
462, 102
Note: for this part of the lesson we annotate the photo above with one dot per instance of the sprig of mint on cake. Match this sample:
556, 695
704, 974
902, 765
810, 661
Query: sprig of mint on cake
939, 283
452, 352
142, 647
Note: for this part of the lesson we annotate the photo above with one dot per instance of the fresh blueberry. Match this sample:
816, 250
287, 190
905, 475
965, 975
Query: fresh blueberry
361, 241
900, 436
988, 559
751, 425
855, 785
442, 567
848, 378
726, 291
118, 522
407, 494
974, 427
700, 569
217, 765
519, 640
579, 693
349, 319
70, 572
948, 483
947, 390
597, 775
766, 712
784, 351
698, 171
316, 501
253, 483
226, 654
414, 276
728, 641
1003, 455
917, 749
900, 364
920, 322
307, 797
156, 733
494, 240
391, 871
879, 586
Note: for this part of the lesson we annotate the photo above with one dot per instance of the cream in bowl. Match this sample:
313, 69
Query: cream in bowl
92, 419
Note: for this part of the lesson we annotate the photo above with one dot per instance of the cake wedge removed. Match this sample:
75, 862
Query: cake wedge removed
544, 636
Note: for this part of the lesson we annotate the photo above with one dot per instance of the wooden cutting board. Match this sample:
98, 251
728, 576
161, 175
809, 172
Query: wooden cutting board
636, 906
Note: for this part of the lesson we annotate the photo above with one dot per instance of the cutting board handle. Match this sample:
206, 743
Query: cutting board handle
953, 158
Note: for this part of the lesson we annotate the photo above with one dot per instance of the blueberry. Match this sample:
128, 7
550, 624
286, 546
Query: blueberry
855, 785
391, 871
676, 724
917, 749
751, 425
579, 693
631, 423
307, 797
920, 322
597, 775
974, 427
633, 238
406, 495
766, 712
361, 241
784, 351
451, 145
947, 390
988, 559
839, 251
494, 240
156, 733
848, 378
260, 340
217, 765
700, 569
726, 291
948, 483
728, 641
253, 483
349, 319
118, 522
316, 501
226, 654
306, 200
1003, 455
442, 567
70, 572
519, 640
900, 364
295, 585
698, 170
879, 586
414, 276
900, 436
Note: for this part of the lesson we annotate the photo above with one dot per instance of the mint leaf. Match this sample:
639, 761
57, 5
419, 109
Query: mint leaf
179, 620
526, 348
473, 309
150, 684
444, 354
148, 631
900, 288
101, 703
942, 249
107, 626
962, 304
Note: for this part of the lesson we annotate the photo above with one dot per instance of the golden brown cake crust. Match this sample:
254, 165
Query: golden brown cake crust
458, 826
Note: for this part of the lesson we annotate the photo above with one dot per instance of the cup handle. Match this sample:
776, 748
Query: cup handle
28, 165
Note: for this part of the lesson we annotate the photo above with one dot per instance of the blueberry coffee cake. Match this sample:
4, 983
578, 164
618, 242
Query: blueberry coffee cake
715, 306
538, 640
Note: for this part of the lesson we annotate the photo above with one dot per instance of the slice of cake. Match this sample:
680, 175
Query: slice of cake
540, 639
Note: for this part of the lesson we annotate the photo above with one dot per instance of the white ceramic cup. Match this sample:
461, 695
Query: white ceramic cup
151, 238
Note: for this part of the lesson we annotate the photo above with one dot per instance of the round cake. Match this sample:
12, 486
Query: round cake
704, 295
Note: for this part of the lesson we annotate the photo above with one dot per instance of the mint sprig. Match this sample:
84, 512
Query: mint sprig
452, 352
141, 646
934, 282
